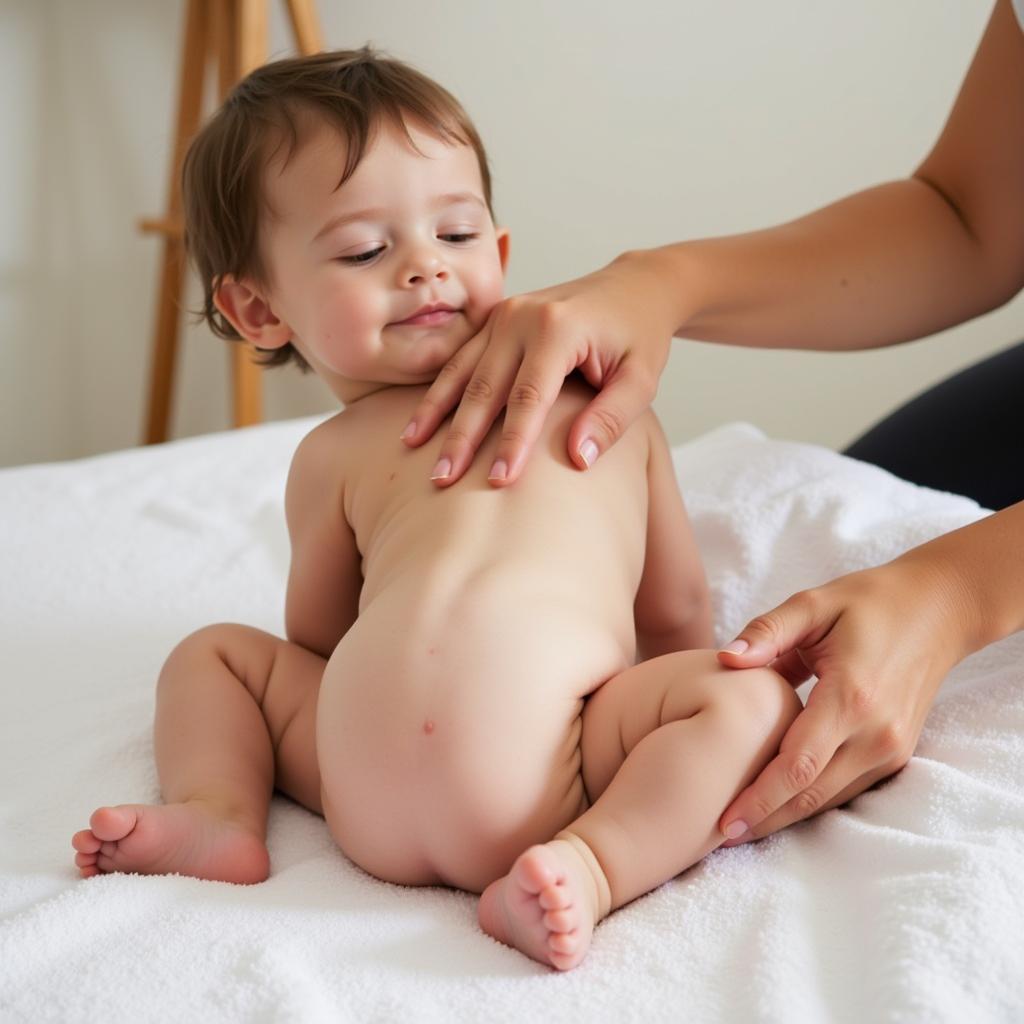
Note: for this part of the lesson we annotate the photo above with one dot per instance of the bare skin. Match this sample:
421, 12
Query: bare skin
458, 694
189, 838
222, 712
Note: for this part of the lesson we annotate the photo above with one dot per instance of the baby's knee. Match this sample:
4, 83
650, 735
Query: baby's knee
206, 642
243, 649
756, 703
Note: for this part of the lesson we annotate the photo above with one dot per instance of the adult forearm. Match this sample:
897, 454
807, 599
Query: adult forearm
890, 264
979, 569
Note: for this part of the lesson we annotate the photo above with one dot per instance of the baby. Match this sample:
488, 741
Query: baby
497, 689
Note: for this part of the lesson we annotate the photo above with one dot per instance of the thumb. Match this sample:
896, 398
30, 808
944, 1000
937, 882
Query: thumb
621, 399
798, 622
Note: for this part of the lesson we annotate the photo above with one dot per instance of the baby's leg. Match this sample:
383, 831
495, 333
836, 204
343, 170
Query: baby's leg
236, 710
666, 746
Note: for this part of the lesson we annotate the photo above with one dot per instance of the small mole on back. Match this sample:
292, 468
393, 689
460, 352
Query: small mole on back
428, 727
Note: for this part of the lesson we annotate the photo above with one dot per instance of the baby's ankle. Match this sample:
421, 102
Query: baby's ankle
229, 811
598, 888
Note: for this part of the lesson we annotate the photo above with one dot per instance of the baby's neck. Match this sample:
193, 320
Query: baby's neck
351, 391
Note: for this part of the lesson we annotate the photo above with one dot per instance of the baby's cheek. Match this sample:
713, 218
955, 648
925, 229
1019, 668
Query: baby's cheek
483, 299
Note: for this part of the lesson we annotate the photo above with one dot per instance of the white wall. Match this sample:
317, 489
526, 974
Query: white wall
610, 125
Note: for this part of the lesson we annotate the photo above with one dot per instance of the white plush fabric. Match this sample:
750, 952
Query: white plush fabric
905, 906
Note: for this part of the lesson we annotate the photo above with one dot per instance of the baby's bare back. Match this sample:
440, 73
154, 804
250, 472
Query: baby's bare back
486, 616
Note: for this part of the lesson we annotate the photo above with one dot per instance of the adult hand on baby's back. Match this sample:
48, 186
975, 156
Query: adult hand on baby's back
880, 642
615, 325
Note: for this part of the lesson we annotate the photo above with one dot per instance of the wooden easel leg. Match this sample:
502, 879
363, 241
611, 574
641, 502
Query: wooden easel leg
250, 51
305, 27
168, 317
233, 33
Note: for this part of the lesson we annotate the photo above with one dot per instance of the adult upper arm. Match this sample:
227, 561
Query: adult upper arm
325, 577
977, 164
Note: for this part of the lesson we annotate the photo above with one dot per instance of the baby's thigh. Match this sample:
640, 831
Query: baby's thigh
282, 678
749, 709
290, 711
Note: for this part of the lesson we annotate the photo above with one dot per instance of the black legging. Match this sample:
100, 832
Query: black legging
964, 435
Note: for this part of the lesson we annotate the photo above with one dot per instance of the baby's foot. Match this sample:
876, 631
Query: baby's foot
546, 906
186, 839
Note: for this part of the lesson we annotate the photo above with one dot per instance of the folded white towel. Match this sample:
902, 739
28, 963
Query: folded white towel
905, 906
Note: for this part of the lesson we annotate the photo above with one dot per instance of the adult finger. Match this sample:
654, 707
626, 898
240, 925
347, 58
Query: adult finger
482, 401
834, 789
624, 395
792, 667
530, 398
800, 621
447, 388
793, 775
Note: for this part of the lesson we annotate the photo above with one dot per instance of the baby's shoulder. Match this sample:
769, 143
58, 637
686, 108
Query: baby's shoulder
321, 454
342, 445
322, 439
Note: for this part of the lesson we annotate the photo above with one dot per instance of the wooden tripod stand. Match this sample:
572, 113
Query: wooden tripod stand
231, 34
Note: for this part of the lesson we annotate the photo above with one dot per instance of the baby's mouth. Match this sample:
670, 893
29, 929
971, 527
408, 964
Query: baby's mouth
434, 315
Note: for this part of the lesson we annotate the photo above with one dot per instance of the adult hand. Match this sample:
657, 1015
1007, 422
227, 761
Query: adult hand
615, 325
880, 642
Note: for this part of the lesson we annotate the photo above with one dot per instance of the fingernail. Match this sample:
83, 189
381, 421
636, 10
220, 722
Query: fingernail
442, 470
736, 647
588, 452
499, 470
735, 829
409, 430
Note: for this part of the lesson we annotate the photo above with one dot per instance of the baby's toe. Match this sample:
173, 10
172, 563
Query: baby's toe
564, 942
532, 871
85, 841
113, 823
554, 897
85, 860
560, 920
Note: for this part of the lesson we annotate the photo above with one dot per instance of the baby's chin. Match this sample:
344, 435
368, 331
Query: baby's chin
425, 360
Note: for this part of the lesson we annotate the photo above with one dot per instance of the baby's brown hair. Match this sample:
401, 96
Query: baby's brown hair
222, 176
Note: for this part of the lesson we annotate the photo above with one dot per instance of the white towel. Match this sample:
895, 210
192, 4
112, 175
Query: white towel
905, 906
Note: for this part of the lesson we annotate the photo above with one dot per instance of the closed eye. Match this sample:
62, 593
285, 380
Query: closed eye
466, 236
363, 257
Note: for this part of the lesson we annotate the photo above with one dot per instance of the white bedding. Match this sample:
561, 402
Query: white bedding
906, 906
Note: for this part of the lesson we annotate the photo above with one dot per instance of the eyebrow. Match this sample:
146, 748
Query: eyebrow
378, 212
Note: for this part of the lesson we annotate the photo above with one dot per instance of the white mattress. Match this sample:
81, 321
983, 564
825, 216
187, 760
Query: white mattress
906, 906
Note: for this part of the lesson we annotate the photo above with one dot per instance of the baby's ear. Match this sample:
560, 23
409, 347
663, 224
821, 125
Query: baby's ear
245, 308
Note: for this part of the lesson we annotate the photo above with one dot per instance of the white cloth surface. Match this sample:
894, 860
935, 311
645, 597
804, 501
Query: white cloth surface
905, 906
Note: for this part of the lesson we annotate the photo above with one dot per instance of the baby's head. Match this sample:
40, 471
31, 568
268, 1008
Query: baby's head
338, 211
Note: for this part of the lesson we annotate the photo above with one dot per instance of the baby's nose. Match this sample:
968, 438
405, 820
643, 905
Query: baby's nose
424, 266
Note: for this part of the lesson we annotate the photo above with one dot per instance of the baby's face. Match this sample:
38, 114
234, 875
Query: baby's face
383, 279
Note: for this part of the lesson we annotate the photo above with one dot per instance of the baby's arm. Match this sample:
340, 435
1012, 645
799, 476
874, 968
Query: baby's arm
325, 578
672, 609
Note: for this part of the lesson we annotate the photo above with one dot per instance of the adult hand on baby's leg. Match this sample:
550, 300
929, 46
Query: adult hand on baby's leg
880, 642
